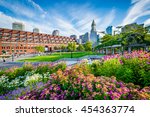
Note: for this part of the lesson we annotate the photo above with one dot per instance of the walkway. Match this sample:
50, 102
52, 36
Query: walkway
68, 61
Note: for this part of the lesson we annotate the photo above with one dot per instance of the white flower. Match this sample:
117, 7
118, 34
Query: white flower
32, 79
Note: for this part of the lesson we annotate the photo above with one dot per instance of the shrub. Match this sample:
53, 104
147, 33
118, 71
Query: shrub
35, 78
20, 91
74, 84
1, 72
61, 66
4, 81
43, 68
6, 85
132, 67
15, 77
14, 72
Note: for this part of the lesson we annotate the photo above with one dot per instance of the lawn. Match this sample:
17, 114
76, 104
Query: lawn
57, 56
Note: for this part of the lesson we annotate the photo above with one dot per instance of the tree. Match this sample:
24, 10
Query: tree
56, 48
40, 49
3, 51
106, 38
80, 47
71, 47
88, 46
63, 47
147, 38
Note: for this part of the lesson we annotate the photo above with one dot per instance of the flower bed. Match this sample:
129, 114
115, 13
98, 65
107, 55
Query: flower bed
76, 83
114, 77
133, 67
28, 75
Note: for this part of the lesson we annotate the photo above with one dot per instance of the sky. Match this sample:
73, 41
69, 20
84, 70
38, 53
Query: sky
73, 16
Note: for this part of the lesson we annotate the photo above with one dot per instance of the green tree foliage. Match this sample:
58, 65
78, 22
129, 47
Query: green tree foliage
3, 51
106, 38
147, 38
88, 46
63, 47
40, 49
135, 34
71, 47
80, 47
56, 47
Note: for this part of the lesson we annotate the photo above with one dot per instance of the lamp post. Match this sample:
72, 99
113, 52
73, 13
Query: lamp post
71, 53
12, 55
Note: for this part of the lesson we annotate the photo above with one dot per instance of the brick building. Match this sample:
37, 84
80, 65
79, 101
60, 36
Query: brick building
23, 42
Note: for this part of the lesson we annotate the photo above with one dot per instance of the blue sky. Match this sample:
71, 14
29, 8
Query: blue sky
73, 16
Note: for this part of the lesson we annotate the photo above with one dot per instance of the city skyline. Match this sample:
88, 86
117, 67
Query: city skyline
73, 17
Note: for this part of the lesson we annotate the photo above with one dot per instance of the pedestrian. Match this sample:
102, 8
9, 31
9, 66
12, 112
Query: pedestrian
3, 59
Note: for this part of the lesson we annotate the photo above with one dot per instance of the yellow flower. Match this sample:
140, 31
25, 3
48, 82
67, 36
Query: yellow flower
104, 89
98, 86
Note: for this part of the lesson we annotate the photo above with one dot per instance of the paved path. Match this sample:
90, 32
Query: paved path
68, 61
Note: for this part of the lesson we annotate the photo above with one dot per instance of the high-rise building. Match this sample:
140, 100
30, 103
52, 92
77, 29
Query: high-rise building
110, 30
117, 30
18, 26
55, 33
36, 30
85, 37
93, 34
73, 36
99, 36
81, 38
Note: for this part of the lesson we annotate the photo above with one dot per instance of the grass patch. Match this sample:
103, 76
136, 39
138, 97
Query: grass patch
57, 56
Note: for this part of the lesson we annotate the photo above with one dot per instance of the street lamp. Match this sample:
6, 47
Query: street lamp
12, 55
71, 53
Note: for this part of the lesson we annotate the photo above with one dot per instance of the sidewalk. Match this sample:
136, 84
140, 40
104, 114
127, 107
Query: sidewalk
69, 61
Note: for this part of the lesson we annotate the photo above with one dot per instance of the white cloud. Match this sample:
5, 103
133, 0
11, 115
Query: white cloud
108, 19
147, 22
6, 22
134, 1
26, 8
75, 19
139, 9
37, 7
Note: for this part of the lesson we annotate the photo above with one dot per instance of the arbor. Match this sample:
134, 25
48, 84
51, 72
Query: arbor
88, 46
80, 47
40, 49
